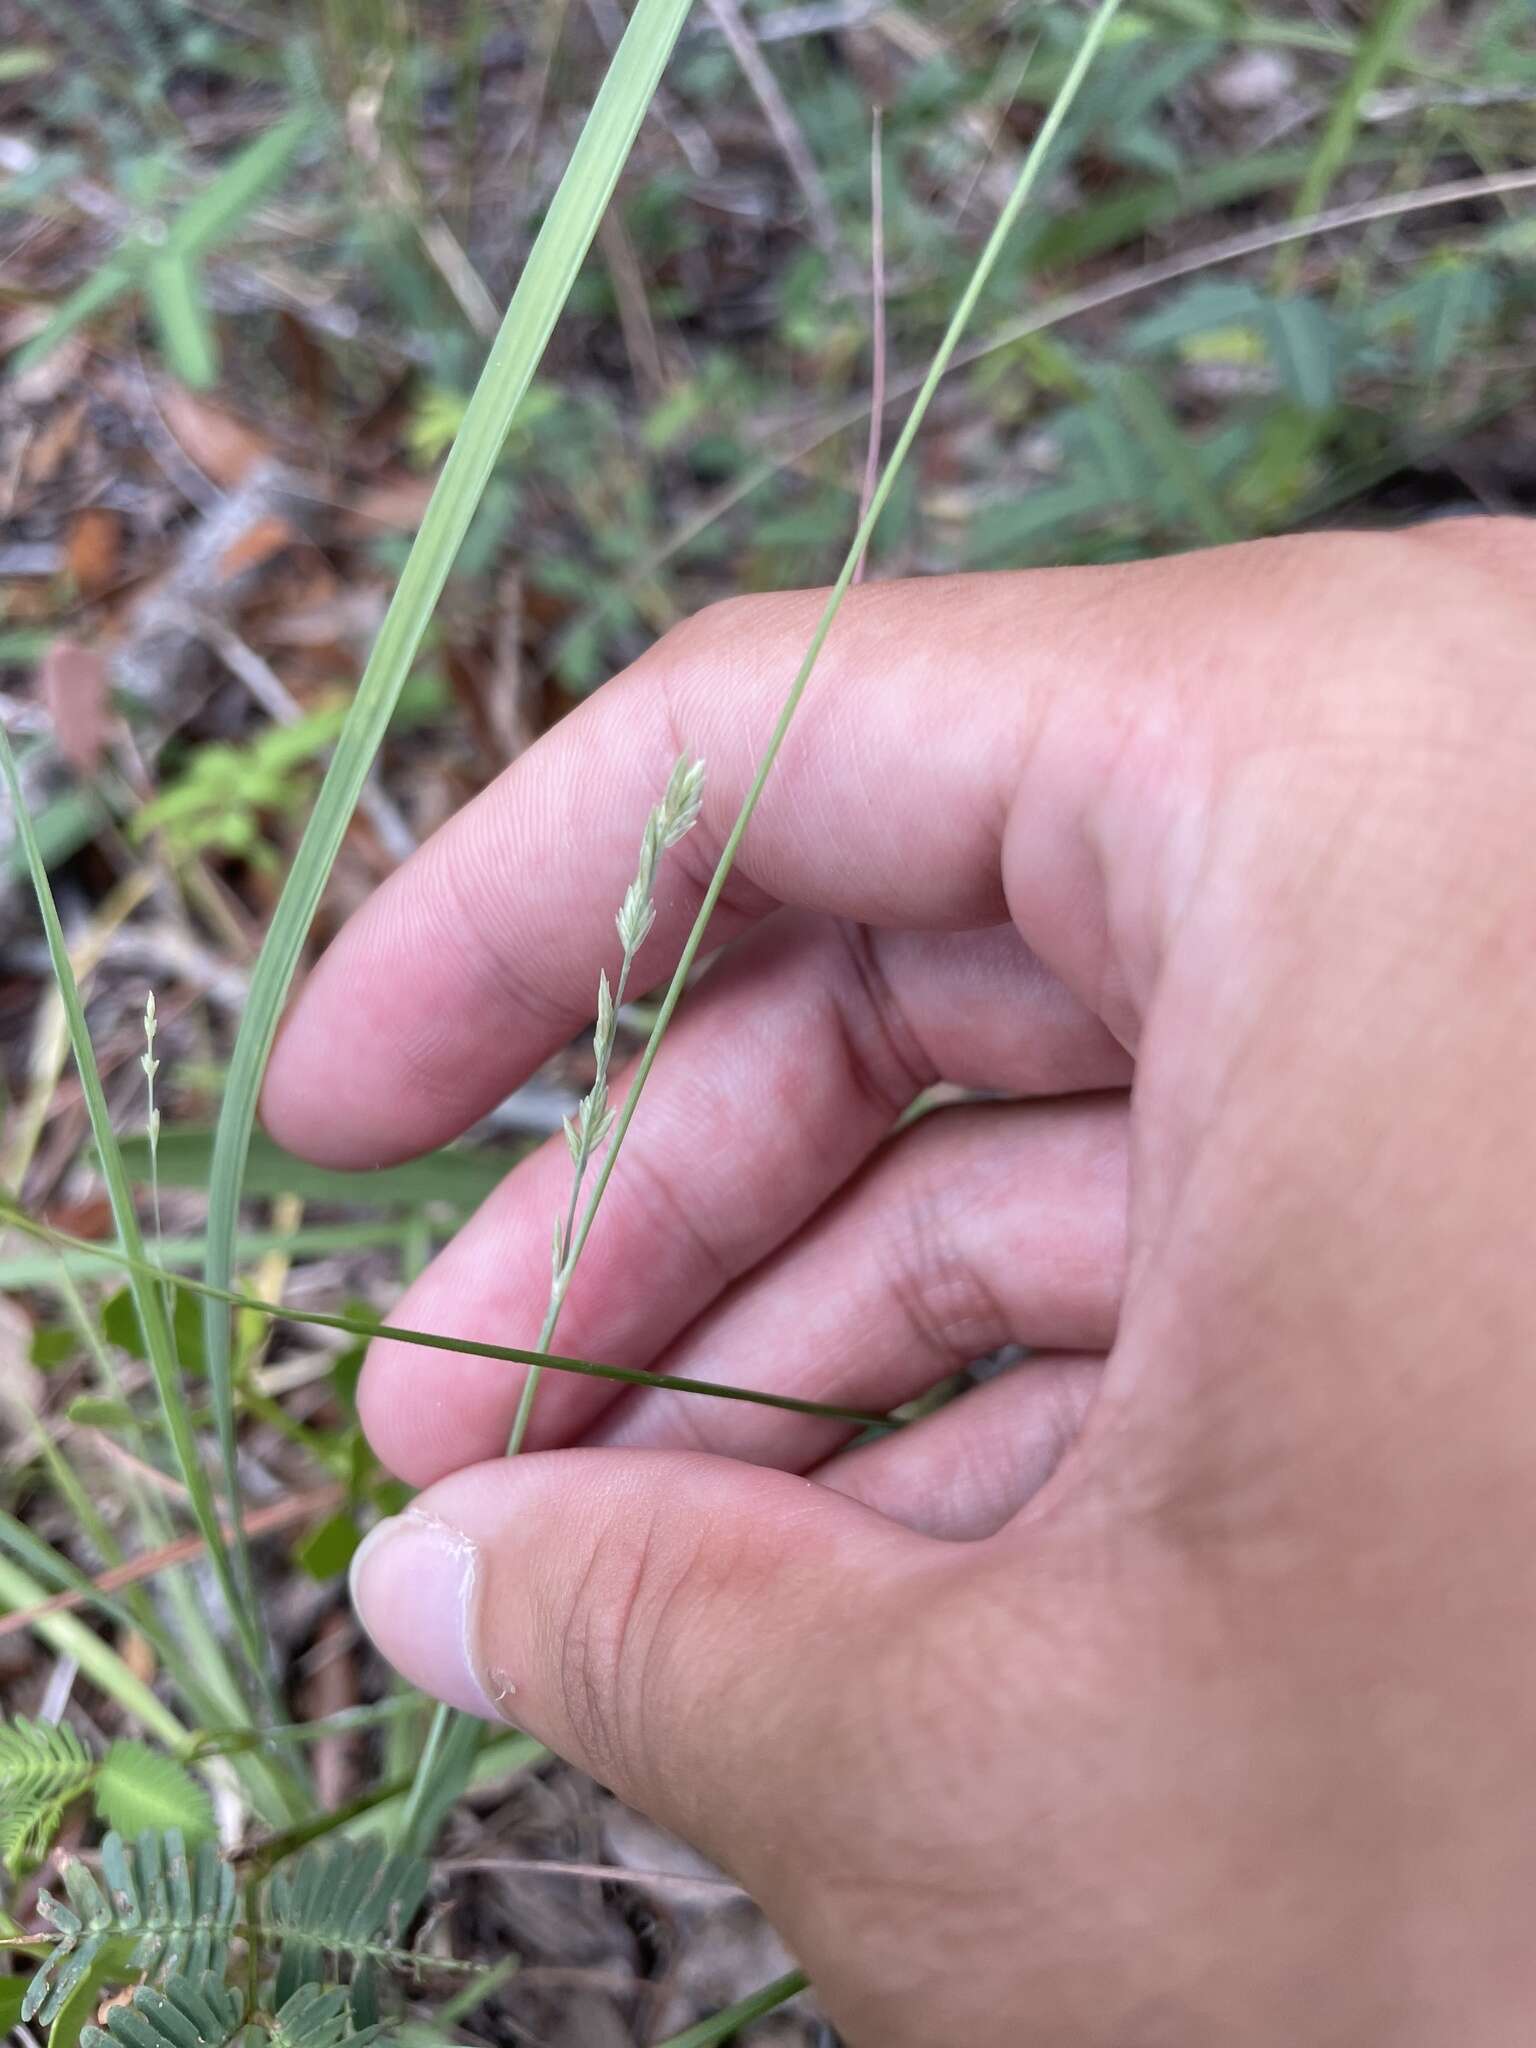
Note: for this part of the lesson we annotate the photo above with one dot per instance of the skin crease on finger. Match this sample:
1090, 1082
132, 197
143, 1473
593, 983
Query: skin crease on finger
979, 1227
1228, 1737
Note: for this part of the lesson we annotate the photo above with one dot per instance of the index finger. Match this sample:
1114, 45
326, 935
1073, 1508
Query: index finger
887, 804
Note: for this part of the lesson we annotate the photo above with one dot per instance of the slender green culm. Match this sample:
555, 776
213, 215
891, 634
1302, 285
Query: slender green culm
1378, 45
724, 2026
468, 1347
99, 1662
548, 275
148, 1302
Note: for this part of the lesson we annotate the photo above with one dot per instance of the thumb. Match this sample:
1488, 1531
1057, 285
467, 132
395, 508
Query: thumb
675, 1624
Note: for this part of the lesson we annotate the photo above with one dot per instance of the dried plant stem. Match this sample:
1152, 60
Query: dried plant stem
876, 321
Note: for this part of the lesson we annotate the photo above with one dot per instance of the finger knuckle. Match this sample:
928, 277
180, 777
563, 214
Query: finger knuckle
945, 1298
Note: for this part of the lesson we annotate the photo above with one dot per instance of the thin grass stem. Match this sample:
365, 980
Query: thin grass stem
506, 1354
721, 2026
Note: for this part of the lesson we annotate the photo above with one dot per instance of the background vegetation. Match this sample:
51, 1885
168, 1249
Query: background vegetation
252, 261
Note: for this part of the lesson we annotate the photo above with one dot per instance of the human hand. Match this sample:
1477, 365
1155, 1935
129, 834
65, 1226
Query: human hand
1218, 1727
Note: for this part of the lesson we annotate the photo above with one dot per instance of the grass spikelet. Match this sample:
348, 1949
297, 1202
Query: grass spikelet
588, 1130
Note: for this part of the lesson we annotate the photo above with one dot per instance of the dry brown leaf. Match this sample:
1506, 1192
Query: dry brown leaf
93, 550
72, 682
223, 447
260, 541
89, 1216
52, 443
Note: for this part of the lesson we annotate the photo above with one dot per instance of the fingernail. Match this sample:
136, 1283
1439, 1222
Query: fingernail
415, 1585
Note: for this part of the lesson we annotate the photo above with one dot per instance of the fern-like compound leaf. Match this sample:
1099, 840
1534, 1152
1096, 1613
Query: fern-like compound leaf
205, 2012
138, 1787
320, 2016
43, 1766
351, 1901
172, 1912
201, 2013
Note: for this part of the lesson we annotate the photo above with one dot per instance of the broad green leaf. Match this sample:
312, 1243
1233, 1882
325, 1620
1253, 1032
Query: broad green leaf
1173, 455
51, 1348
1010, 534
120, 1325
1197, 308
1450, 298
326, 1552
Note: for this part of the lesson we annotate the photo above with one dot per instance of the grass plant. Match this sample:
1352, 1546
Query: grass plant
289, 1940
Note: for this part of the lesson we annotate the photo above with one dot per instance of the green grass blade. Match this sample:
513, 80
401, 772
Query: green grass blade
34, 1554
461, 1180
453, 1742
246, 179
721, 2026
101, 1664
148, 1300
466, 1347
1165, 442
1377, 48
82, 1260
182, 320
110, 282
551, 269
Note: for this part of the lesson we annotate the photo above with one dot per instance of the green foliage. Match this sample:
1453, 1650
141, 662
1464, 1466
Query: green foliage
206, 2012
164, 1910
200, 2012
170, 1915
316, 2016
347, 1902
43, 1768
164, 260
139, 1788
459, 1180
1238, 405
224, 795
12, 1991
